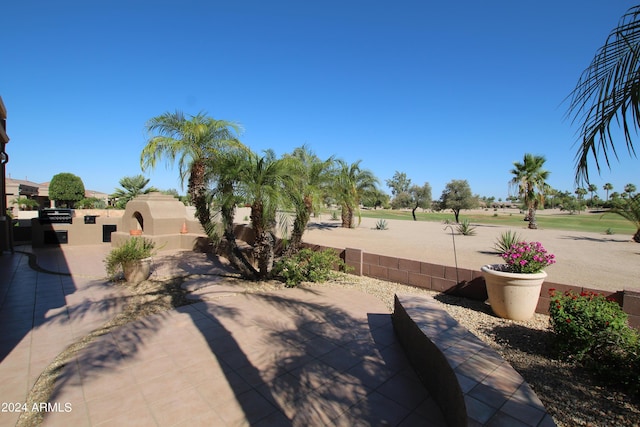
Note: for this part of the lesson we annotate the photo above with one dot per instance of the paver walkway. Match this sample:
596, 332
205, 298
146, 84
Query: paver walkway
285, 358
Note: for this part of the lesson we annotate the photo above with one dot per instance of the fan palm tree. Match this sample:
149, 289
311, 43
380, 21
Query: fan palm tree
194, 142
310, 178
132, 187
607, 187
607, 92
592, 189
262, 180
350, 183
630, 189
529, 178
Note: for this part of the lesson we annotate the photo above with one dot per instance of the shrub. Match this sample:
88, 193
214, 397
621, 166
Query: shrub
308, 266
593, 330
381, 224
334, 216
133, 249
465, 228
506, 240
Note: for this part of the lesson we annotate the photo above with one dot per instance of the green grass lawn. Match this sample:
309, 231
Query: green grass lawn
585, 221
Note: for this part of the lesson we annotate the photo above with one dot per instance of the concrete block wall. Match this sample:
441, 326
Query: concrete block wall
463, 282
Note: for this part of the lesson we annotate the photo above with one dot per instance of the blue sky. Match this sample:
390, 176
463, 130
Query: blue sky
438, 90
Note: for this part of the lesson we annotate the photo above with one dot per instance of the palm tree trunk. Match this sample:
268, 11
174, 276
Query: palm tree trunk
198, 192
265, 241
264, 250
636, 237
234, 254
347, 216
299, 225
533, 225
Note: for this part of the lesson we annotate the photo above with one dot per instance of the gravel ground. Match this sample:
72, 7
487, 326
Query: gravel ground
569, 393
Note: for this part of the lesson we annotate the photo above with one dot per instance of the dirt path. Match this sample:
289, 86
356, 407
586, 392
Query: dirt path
608, 262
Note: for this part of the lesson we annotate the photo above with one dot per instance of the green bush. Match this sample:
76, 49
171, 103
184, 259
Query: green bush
592, 329
308, 266
133, 249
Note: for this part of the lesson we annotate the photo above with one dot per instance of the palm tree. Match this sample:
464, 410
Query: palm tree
607, 92
226, 172
630, 210
592, 189
311, 177
350, 183
132, 187
529, 178
262, 180
607, 187
630, 189
194, 141
581, 192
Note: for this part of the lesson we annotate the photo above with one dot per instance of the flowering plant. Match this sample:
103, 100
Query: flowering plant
527, 257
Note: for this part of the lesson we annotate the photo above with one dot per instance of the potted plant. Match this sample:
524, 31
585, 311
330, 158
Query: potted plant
132, 258
514, 287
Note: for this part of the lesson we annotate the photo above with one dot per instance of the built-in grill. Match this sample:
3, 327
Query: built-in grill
55, 216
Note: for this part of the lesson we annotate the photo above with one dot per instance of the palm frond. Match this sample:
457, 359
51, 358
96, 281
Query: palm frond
607, 92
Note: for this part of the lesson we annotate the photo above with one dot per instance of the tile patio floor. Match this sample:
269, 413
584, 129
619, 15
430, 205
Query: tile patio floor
285, 358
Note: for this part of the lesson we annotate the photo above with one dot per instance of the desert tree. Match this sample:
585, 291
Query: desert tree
420, 198
399, 183
457, 196
529, 179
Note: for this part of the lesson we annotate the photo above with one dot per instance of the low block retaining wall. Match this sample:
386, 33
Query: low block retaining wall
461, 281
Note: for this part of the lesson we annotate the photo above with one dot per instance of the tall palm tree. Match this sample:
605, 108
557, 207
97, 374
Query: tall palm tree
608, 92
607, 187
310, 178
592, 189
194, 141
350, 183
529, 178
262, 180
131, 187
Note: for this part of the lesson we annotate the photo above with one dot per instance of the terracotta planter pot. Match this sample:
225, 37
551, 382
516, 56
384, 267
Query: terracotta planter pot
512, 295
137, 271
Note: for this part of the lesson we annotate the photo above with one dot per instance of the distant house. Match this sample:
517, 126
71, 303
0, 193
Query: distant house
39, 192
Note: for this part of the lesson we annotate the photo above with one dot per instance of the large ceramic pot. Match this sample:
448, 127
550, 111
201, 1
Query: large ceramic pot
512, 295
137, 271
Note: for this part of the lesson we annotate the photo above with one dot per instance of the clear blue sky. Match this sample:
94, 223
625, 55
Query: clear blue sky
438, 90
